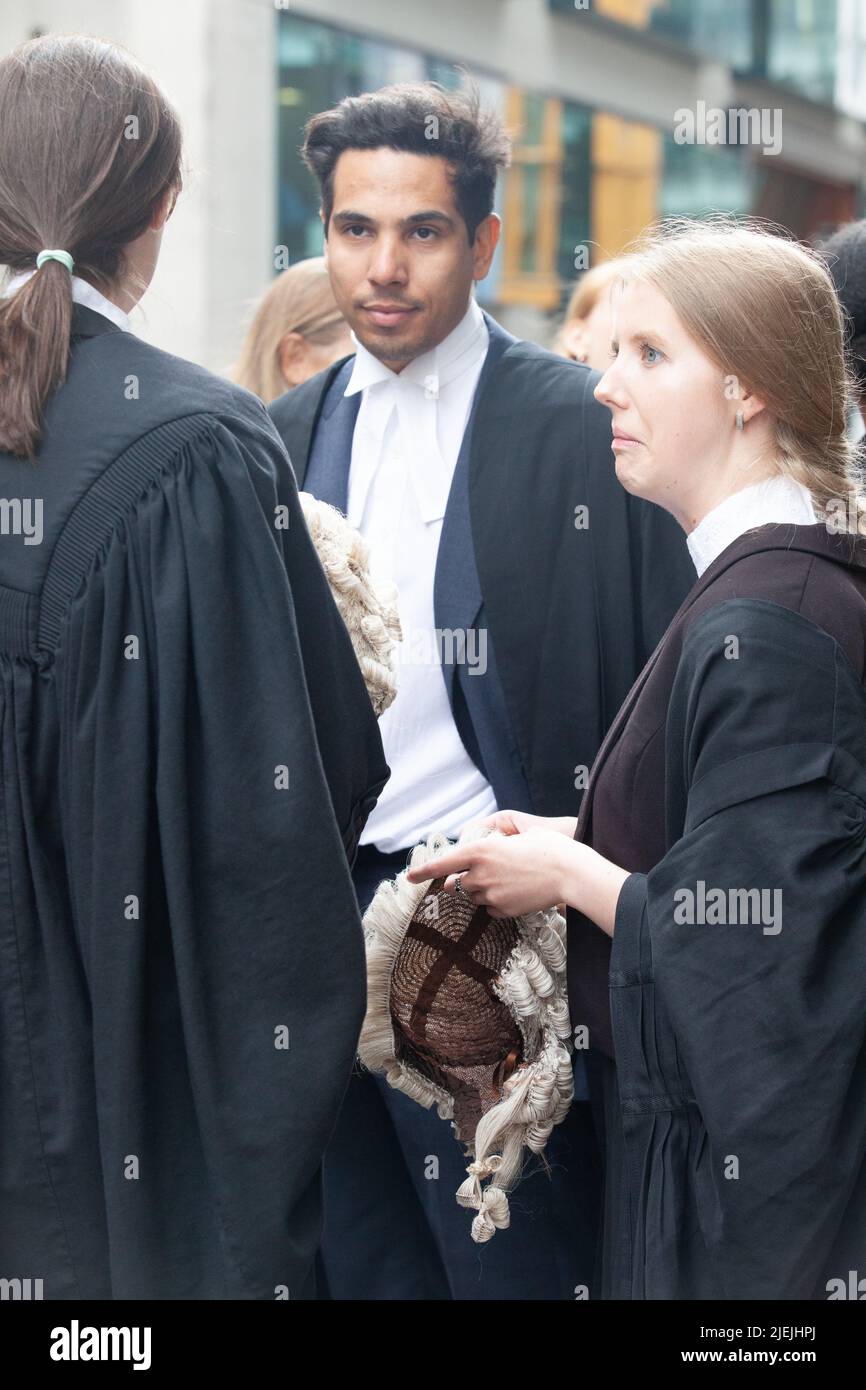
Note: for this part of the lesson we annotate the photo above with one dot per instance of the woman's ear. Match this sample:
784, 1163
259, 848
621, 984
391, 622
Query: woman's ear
163, 208
574, 340
751, 405
291, 355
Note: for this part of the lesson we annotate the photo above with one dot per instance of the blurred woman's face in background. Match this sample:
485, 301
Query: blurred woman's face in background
300, 357
588, 339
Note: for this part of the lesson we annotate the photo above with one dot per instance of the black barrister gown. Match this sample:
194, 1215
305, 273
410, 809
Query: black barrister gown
729, 1040
187, 755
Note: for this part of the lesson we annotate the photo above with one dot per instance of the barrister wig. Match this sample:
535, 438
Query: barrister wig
369, 610
469, 1013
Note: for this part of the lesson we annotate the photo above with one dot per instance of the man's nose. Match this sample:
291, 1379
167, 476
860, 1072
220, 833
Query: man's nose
387, 264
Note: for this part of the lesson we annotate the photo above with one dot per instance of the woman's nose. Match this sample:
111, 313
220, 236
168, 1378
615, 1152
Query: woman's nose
609, 388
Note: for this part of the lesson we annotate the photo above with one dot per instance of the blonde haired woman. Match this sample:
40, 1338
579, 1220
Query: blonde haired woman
587, 327
716, 880
297, 330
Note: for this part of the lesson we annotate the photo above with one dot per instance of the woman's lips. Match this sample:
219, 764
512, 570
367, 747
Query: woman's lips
386, 318
624, 441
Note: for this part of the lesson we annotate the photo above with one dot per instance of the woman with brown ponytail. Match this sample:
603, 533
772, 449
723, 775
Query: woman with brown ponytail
187, 750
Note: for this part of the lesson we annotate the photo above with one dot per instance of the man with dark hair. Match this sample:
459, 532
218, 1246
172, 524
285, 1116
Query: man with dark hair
532, 587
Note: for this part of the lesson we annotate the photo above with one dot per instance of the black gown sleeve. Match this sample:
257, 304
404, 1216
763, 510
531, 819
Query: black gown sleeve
346, 727
209, 888
751, 1009
664, 568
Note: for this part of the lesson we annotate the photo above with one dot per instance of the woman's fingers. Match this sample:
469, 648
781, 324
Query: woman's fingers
454, 862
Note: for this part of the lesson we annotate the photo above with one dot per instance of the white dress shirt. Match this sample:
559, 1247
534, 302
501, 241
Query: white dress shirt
407, 438
82, 293
777, 499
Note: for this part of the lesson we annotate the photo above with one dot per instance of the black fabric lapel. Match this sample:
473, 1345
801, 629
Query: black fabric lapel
457, 594
330, 456
87, 323
296, 416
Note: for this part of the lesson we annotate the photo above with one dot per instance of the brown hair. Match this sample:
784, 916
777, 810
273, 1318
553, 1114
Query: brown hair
764, 309
300, 301
88, 146
420, 118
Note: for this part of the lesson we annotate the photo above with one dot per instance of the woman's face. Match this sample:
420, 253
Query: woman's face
300, 359
588, 339
672, 423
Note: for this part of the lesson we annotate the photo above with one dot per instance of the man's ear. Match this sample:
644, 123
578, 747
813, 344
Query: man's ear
484, 245
324, 223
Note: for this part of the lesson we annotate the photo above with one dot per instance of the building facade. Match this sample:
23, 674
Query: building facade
622, 111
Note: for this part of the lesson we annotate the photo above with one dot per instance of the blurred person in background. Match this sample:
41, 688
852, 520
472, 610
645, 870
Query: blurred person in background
845, 254
188, 749
479, 469
587, 328
297, 330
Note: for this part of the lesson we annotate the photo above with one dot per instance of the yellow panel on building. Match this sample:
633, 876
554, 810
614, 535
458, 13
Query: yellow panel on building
531, 209
626, 168
633, 12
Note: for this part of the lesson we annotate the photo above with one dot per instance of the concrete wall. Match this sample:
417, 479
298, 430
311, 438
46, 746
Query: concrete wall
215, 60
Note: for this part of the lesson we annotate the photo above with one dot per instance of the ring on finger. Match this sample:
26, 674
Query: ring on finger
460, 890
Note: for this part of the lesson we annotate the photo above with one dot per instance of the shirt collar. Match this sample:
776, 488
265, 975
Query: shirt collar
433, 369
82, 293
777, 499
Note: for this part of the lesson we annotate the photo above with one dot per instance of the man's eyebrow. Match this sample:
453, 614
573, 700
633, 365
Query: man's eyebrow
347, 216
432, 216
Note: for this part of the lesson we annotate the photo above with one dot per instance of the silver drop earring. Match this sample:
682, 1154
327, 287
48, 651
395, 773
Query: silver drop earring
740, 421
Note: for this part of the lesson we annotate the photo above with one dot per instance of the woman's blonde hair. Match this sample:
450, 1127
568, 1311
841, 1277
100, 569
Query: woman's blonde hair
299, 301
764, 309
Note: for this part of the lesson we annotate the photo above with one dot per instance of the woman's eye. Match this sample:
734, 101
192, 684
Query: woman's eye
650, 354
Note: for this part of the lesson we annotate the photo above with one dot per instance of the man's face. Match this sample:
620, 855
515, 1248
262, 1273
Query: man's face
398, 253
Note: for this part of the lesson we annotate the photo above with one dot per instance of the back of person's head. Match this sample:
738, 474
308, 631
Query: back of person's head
418, 118
764, 309
88, 146
845, 254
299, 305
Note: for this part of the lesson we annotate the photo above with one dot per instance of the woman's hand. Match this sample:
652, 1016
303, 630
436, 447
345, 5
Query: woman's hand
518, 822
523, 873
530, 871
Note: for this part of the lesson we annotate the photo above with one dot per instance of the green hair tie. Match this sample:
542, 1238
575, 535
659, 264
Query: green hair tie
62, 256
